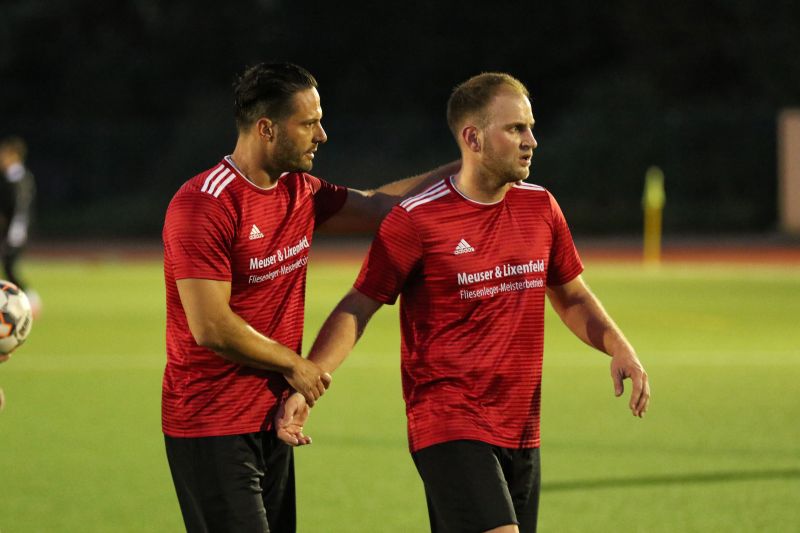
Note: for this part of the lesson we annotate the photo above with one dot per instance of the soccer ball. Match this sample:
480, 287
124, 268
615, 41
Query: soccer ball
16, 317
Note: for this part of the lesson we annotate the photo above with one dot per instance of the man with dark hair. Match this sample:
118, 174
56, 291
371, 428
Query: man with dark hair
236, 244
18, 193
472, 259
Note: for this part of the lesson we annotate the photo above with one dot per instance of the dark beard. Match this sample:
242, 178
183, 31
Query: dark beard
288, 159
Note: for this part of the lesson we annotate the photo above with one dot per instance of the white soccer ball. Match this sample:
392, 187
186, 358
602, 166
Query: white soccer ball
16, 317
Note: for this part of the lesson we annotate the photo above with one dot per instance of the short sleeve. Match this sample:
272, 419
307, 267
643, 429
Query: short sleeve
394, 254
198, 235
328, 198
565, 263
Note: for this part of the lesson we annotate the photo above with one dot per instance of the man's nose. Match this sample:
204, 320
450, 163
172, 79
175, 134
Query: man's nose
321, 136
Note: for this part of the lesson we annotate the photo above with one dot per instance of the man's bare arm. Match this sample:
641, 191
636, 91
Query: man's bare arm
215, 326
585, 316
342, 329
334, 342
364, 210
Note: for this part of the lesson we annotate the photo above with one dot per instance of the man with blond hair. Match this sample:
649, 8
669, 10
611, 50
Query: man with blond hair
473, 259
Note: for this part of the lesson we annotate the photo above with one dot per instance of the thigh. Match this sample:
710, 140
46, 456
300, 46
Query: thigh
465, 487
523, 475
218, 482
278, 484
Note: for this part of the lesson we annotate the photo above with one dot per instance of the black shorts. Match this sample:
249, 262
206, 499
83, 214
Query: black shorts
472, 486
237, 483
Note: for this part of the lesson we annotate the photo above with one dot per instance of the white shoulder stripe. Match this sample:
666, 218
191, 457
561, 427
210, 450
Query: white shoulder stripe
217, 180
224, 184
427, 192
529, 186
426, 199
211, 177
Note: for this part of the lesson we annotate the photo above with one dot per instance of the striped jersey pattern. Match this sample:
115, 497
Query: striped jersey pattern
472, 322
219, 226
217, 180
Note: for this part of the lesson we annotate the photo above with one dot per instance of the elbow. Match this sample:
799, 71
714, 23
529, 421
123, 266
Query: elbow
208, 336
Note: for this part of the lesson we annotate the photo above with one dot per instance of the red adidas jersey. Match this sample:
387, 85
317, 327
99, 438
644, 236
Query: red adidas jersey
472, 282
219, 226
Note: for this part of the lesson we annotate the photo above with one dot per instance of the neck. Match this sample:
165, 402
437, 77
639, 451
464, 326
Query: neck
248, 158
479, 185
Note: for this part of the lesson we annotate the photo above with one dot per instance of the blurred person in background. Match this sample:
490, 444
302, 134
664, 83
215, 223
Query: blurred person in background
473, 260
16, 211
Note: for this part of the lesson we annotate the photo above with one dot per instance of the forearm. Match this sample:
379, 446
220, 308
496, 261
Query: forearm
408, 186
585, 316
341, 330
364, 210
335, 340
236, 340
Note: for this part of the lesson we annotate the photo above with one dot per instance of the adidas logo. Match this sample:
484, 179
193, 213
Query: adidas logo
463, 247
255, 233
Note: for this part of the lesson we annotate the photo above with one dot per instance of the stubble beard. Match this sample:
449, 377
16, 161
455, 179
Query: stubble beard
290, 158
504, 171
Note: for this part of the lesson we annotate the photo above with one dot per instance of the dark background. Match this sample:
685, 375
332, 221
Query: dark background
122, 101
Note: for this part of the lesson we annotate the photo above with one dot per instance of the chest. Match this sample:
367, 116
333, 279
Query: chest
489, 248
272, 238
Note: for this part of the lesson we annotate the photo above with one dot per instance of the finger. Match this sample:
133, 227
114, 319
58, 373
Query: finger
326, 379
636, 392
309, 396
644, 401
288, 438
619, 388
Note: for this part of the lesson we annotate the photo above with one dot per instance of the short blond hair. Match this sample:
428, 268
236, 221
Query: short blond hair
472, 97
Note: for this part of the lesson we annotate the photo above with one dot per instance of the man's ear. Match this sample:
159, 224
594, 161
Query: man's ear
265, 128
472, 138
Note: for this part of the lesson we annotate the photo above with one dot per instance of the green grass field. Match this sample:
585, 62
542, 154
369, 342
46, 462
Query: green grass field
81, 448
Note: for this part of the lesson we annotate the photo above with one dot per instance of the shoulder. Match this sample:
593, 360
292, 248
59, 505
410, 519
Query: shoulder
427, 199
532, 193
204, 191
305, 183
212, 182
530, 188
299, 183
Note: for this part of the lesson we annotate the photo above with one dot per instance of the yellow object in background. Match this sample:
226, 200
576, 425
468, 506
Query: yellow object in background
653, 203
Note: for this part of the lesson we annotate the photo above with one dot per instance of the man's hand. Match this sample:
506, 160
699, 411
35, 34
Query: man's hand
5, 357
308, 379
290, 419
628, 366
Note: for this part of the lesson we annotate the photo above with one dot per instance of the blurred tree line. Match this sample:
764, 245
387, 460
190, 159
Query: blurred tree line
123, 101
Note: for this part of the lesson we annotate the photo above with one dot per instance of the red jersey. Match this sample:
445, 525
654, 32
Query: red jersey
219, 226
472, 281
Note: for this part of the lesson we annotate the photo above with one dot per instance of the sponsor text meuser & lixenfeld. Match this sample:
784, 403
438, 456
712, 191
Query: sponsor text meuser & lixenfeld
501, 271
